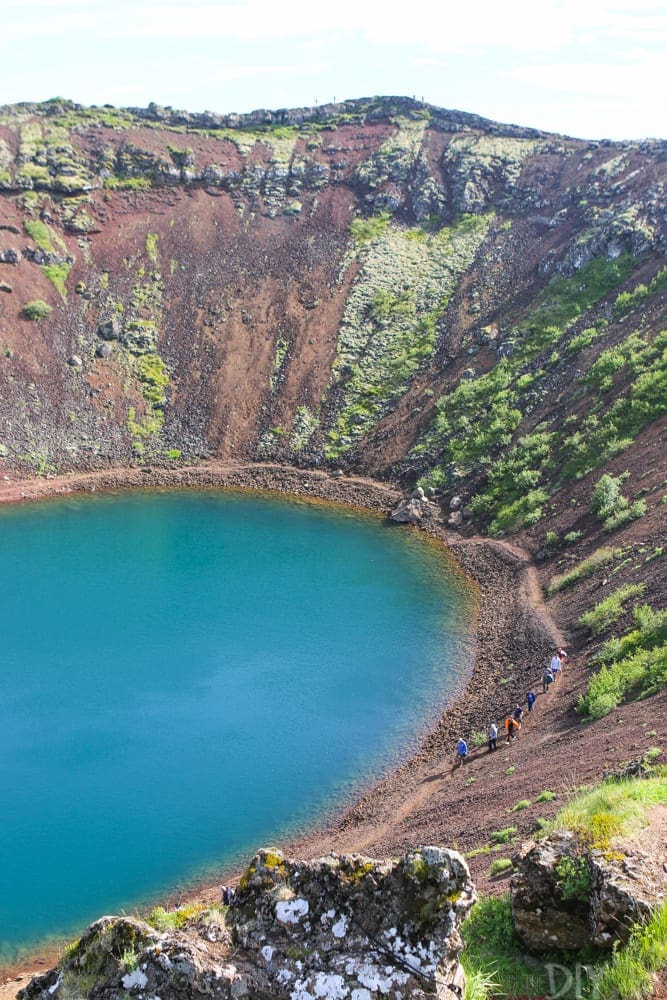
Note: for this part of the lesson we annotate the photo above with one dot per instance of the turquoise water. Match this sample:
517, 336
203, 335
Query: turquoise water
187, 676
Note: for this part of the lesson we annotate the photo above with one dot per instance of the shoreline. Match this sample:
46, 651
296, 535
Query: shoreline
384, 818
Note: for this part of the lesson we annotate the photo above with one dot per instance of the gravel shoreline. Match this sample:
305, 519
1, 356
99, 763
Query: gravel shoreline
512, 629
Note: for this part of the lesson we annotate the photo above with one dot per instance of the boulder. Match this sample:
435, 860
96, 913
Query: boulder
543, 918
110, 329
413, 511
341, 926
568, 896
9, 256
624, 891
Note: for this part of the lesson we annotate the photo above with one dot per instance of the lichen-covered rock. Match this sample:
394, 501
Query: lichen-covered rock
543, 918
567, 896
625, 889
343, 926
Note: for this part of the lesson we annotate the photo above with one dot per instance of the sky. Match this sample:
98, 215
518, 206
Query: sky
587, 68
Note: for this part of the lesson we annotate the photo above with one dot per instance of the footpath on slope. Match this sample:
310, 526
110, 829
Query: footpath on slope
425, 800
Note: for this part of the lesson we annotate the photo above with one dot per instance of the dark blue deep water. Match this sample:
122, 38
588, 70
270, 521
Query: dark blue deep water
189, 676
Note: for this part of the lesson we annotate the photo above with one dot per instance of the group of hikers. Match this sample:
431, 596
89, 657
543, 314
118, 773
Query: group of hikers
513, 722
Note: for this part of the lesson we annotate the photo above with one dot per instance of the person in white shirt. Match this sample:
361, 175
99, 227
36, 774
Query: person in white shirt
556, 665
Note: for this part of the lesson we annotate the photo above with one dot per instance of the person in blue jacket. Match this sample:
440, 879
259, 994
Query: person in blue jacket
461, 751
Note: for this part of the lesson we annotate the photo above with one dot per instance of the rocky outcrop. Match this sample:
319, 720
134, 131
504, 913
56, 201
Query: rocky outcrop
343, 926
545, 915
567, 896
417, 509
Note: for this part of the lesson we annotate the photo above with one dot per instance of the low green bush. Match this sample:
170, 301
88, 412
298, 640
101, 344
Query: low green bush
365, 230
499, 866
624, 516
545, 796
608, 611
573, 878
506, 836
586, 568
634, 665
165, 920
607, 496
36, 310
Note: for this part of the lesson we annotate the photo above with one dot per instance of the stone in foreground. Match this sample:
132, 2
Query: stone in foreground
343, 927
568, 896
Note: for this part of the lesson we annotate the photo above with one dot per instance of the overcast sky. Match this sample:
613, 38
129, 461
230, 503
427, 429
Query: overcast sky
588, 68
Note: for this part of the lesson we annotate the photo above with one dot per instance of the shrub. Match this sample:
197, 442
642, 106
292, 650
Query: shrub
164, 920
36, 310
500, 865
582, 340
638, 509
573, 878
635, 664
628, 300
607, 496
506, 836
526, 510
611, 608
650, 631
583, 569
523, 804
57, 275
545, 796
365, 230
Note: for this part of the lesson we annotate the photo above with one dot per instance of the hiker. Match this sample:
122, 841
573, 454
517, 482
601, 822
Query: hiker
562, 656
461, 751
512, 727
517, 714
556, 664
493, 737
227, 894
547, 679
530, 700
